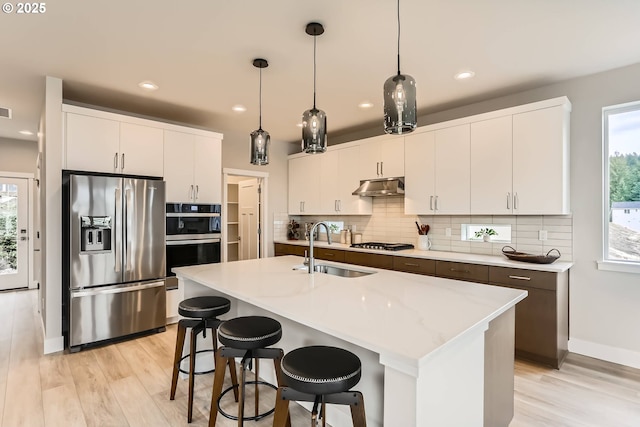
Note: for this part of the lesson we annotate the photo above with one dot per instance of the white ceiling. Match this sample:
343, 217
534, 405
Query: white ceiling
200, 51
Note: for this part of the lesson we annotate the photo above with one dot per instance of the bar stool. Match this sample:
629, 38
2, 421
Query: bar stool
246, 337
201, 314
321, 375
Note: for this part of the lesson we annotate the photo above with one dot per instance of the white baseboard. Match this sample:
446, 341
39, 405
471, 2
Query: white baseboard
604, 352
53, 345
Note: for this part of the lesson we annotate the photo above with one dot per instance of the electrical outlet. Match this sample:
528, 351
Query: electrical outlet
447, 232
542, 235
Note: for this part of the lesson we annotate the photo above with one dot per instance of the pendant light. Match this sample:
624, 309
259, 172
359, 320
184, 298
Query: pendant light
400, 111
260, 139
314, 121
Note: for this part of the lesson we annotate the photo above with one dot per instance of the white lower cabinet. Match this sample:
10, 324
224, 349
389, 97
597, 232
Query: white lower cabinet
174, 296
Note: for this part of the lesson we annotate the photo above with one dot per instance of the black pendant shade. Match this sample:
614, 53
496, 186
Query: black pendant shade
314, 121
400, 109
260, 139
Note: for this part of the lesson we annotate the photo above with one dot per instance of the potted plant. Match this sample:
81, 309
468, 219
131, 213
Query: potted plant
486, 234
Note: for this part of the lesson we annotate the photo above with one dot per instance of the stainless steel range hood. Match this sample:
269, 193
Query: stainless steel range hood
381, 187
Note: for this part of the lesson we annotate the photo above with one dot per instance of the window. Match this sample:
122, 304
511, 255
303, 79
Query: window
622, 183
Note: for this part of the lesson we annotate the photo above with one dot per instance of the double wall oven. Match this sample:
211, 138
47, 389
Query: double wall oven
193, 236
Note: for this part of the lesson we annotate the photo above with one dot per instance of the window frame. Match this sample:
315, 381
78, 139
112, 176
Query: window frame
607, 263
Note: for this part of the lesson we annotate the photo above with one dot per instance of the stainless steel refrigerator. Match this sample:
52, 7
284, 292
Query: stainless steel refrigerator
114, 254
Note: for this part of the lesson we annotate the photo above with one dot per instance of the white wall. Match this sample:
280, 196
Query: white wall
604, 305
18, 155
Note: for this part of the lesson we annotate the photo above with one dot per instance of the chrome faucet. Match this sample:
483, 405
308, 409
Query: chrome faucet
312, 263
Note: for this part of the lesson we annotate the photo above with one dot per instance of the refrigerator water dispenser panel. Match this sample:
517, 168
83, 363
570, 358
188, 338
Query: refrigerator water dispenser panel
95, 234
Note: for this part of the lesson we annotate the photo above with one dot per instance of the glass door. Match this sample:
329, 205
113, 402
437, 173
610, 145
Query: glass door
14, 235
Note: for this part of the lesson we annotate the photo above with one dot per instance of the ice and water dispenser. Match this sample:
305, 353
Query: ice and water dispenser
95, 233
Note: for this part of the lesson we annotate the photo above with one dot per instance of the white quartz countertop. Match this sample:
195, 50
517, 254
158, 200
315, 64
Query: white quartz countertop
498, 261
404, 317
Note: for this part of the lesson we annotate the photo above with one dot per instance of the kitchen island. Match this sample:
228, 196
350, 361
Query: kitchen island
435, 351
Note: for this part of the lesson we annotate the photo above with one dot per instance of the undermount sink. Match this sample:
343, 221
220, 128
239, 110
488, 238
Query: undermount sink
336, 271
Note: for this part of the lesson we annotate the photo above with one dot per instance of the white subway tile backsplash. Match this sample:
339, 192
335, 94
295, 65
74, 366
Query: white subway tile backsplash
388, 223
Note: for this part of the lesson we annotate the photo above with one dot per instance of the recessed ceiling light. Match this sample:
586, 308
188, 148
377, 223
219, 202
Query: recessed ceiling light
365, 104
148, 85
239, 108
463, 75
26, 132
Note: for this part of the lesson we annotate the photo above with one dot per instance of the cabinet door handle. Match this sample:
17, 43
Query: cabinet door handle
329, 254
377, 168
122, 165
459, 271
191, 192
508, 200
115, 161
197, 192
339, 205
410, 264
515, 200
335, 205
381, 169
431, 203
436, 204
520, 277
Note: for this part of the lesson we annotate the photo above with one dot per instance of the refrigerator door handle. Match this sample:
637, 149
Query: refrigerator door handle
117, 289
117, 225
127, 240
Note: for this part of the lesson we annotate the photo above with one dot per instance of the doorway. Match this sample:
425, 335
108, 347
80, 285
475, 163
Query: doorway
14, 233
243, 214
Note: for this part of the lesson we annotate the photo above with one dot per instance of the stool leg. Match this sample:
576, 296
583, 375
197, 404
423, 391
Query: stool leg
323, 413
243, 377
192, 368
357, 411
182, 330
234, 376
255, 388
218, 380
281, 417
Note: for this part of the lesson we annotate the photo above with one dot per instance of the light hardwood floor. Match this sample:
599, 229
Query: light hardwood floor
127, 384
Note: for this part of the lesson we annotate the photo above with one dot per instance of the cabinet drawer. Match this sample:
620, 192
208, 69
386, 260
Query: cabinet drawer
328, 254
369, 260
517, 277
414, 265
281, 249
463, 271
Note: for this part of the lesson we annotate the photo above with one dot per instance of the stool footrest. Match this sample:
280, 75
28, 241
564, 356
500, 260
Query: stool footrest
196, 372
342, 398
254, 418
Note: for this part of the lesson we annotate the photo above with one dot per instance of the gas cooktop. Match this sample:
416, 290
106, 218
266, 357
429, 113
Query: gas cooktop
383, 246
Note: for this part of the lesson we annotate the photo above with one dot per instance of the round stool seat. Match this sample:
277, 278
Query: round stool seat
205, 307
250, 332
321, 370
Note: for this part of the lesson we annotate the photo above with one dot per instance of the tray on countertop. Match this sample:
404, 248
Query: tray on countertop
514, 255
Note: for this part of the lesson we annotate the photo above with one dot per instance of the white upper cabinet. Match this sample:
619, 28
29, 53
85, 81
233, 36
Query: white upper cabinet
437, 172
420, 176
304, 184
341, 174
452, 157
141, 150
491, 166
382, 157
91, 143
541, 161
99, 144
192, 166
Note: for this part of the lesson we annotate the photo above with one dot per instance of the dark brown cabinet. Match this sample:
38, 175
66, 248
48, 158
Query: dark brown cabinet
414, 265
542, 319
463, 271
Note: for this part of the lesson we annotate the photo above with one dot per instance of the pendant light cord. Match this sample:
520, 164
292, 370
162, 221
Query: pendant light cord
314, 72
260, 102
398, 37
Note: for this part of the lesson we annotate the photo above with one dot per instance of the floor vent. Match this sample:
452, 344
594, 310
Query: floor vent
5, 112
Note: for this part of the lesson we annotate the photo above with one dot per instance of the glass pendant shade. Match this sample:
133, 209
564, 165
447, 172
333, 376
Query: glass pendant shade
260, 141
314, 131
400, 108
314, 121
